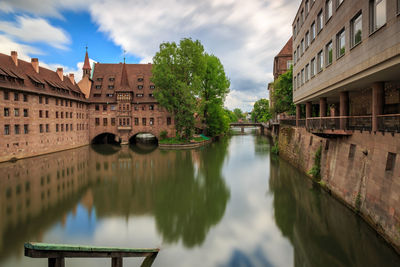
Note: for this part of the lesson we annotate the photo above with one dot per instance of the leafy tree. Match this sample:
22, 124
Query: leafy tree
239, 113
283, 94
214, 89
261, 112
177, 73
231, 115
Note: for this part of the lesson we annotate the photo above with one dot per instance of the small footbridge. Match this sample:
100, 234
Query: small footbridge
243, 125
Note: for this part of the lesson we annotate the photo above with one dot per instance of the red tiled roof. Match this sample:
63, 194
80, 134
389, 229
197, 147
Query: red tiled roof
24, 78
287, 49
121, 80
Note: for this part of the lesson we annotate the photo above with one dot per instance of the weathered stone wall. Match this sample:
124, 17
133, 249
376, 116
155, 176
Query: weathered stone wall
362, 170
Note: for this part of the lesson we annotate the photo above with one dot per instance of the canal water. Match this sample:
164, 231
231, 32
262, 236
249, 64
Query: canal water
231, 203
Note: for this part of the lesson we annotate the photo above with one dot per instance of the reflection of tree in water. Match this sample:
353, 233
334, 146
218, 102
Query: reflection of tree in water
189, 202
322, 231
184, 190
262, 145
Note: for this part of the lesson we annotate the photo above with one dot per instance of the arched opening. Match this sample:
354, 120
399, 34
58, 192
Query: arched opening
143, 138
143, 143
106, 138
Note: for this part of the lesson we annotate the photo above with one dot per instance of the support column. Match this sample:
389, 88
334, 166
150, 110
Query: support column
344, 109
377, 103
308, 112
322, 107
298, 114
322, 111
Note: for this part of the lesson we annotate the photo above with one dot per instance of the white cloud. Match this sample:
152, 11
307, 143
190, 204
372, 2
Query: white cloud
7, 45
244, 34
31, 30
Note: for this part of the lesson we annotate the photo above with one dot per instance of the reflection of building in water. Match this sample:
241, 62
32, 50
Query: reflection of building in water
31, 188
320, 228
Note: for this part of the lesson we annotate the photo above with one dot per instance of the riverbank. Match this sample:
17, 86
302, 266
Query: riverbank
175, 143
361, 170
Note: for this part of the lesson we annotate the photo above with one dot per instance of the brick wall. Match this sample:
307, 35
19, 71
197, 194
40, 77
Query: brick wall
41, 110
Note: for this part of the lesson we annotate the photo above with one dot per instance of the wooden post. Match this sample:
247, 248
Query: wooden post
116, 262
56, 262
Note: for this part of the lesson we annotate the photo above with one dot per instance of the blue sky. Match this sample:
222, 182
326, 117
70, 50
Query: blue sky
244, 34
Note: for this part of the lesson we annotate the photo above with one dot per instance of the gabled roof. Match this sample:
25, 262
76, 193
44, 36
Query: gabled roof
49, 82
287, 49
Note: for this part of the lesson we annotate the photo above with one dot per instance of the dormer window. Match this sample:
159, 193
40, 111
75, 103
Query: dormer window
111, 79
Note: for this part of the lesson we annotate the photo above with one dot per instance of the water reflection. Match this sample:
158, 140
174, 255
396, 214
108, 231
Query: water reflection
231, 201
322, 231
183, 190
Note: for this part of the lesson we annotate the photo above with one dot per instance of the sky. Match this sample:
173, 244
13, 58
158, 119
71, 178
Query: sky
244, 34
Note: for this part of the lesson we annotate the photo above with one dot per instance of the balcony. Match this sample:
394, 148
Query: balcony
345, 125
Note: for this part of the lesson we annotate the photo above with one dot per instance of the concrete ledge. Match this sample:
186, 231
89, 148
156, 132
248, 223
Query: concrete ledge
184, 146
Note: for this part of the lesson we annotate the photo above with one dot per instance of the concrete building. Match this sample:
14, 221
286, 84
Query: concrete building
347, 64
43, 111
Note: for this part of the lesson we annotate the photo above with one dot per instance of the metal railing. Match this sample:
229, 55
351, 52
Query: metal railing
385, 123
389, 123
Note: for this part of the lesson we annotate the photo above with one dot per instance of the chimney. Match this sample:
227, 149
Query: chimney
35, 64
14, 56
60, 73
71, 78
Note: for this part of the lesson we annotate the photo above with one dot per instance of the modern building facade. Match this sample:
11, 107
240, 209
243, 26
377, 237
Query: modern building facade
43, 111
347, 64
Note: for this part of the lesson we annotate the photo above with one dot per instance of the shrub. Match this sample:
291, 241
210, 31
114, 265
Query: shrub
163, 135
315, 171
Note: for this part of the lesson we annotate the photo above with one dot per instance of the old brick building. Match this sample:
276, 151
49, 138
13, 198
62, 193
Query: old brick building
282, 63
42, 111
122, 102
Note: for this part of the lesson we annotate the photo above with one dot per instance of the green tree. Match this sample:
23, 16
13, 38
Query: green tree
214, 89
177, 73
231, 115
239, 113
283, 94
261, 112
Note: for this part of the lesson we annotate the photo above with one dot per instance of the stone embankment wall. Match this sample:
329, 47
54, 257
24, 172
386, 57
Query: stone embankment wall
362, 170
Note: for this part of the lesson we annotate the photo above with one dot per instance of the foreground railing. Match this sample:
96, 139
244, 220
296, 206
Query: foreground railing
389, 123
56, 253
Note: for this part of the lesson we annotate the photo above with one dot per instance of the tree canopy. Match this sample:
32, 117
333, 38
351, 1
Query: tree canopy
261, 112
190, 81
282, 94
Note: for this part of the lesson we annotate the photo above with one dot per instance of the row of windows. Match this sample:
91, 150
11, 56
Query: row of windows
378, 16
43, 113
377, 20
112, 79
119, 98
127, 121
42, 99
122, 107
43, 128
111, 87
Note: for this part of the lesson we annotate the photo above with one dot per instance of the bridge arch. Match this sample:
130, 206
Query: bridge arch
143, 137
105, 138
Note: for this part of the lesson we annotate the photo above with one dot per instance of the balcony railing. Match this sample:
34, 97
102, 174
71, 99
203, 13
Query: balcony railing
389, 123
